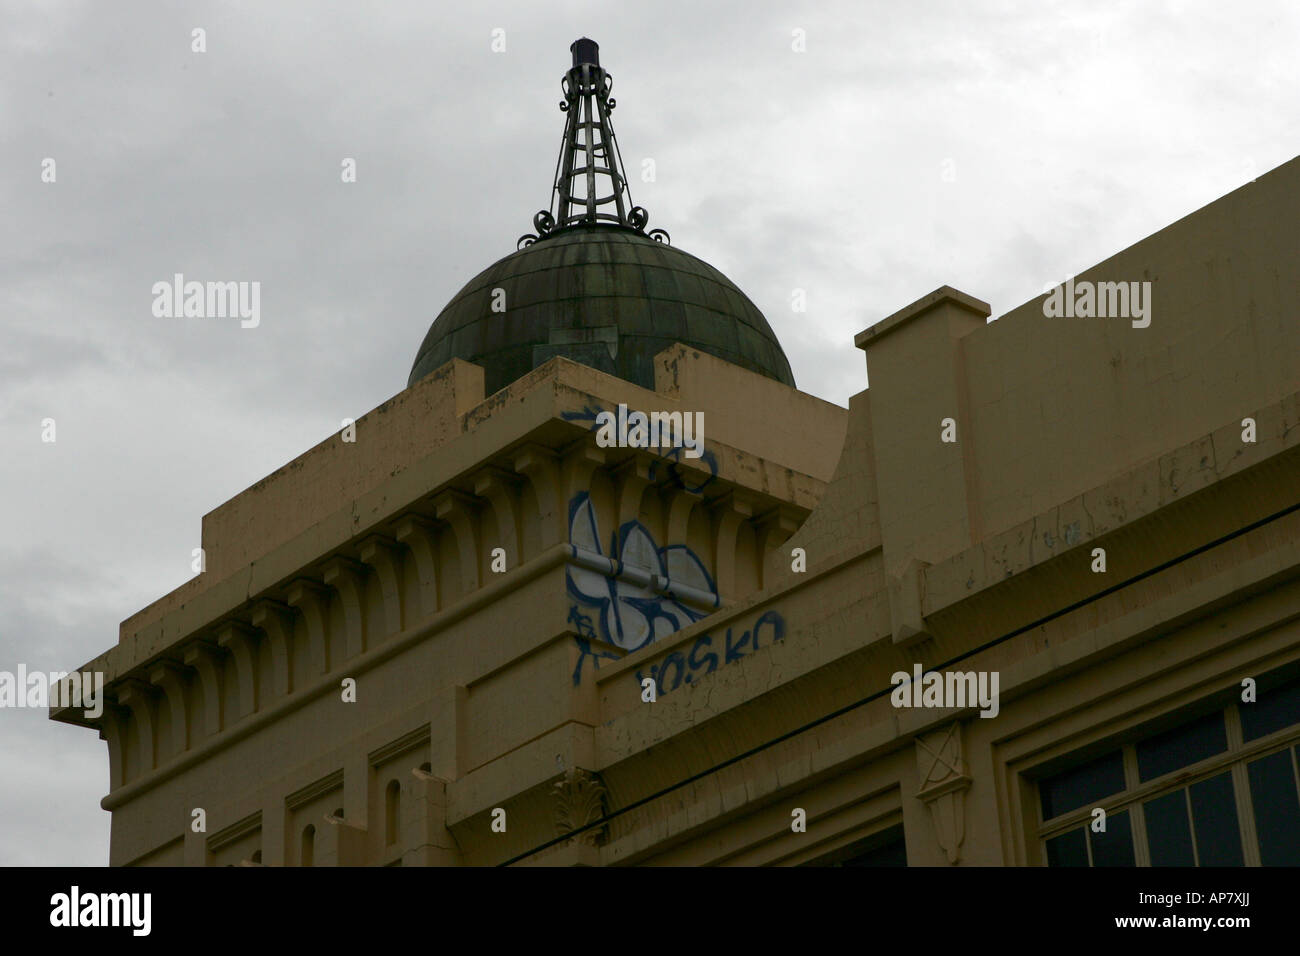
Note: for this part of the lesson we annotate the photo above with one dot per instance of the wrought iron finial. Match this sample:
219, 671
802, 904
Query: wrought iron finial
590, 179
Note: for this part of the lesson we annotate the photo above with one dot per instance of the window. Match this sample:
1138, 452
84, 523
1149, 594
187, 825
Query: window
1196, 825
1182, 746
307, 854
1277, 811
1082, 785
886, 848
1218, 787
392, 810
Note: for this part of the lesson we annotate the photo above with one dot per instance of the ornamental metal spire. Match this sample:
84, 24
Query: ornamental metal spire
590, 179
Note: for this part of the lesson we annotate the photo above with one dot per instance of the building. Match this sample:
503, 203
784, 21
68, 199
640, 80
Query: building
478, 632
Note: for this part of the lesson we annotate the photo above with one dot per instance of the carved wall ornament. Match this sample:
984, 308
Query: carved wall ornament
944, 782
580, 800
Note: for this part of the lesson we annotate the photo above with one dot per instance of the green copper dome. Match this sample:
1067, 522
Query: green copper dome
591, 284
608, 297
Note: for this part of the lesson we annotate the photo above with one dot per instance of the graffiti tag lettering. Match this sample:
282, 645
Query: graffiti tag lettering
678, 668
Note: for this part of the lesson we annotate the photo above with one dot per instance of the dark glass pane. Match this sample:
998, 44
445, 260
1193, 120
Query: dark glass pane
1115, 846
886, 848
1214, 813
1168, 834
1184, 745
1068, 849
1277, 812
1275, 709
891, 854
1075, 788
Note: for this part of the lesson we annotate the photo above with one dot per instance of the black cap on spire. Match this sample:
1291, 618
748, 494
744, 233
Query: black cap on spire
585, 51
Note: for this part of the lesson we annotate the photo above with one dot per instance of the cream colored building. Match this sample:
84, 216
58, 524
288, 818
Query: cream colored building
495, 589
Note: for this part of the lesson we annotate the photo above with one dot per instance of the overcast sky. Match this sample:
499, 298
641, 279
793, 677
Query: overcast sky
995, 147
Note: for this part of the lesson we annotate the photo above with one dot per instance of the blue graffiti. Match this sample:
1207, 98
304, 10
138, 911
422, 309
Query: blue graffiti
588, 414
586, 634
626, 614
581, 622
631, 615
669, 468
702, 658
585, 651
672, 467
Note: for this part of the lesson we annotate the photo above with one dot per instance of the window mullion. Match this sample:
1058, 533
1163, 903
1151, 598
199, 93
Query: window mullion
1245, 814
1137, 819
1191, 825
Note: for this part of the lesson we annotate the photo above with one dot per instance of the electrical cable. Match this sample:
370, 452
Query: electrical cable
839, 712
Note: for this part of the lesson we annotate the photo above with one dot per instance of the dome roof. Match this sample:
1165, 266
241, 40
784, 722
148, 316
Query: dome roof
605, 296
